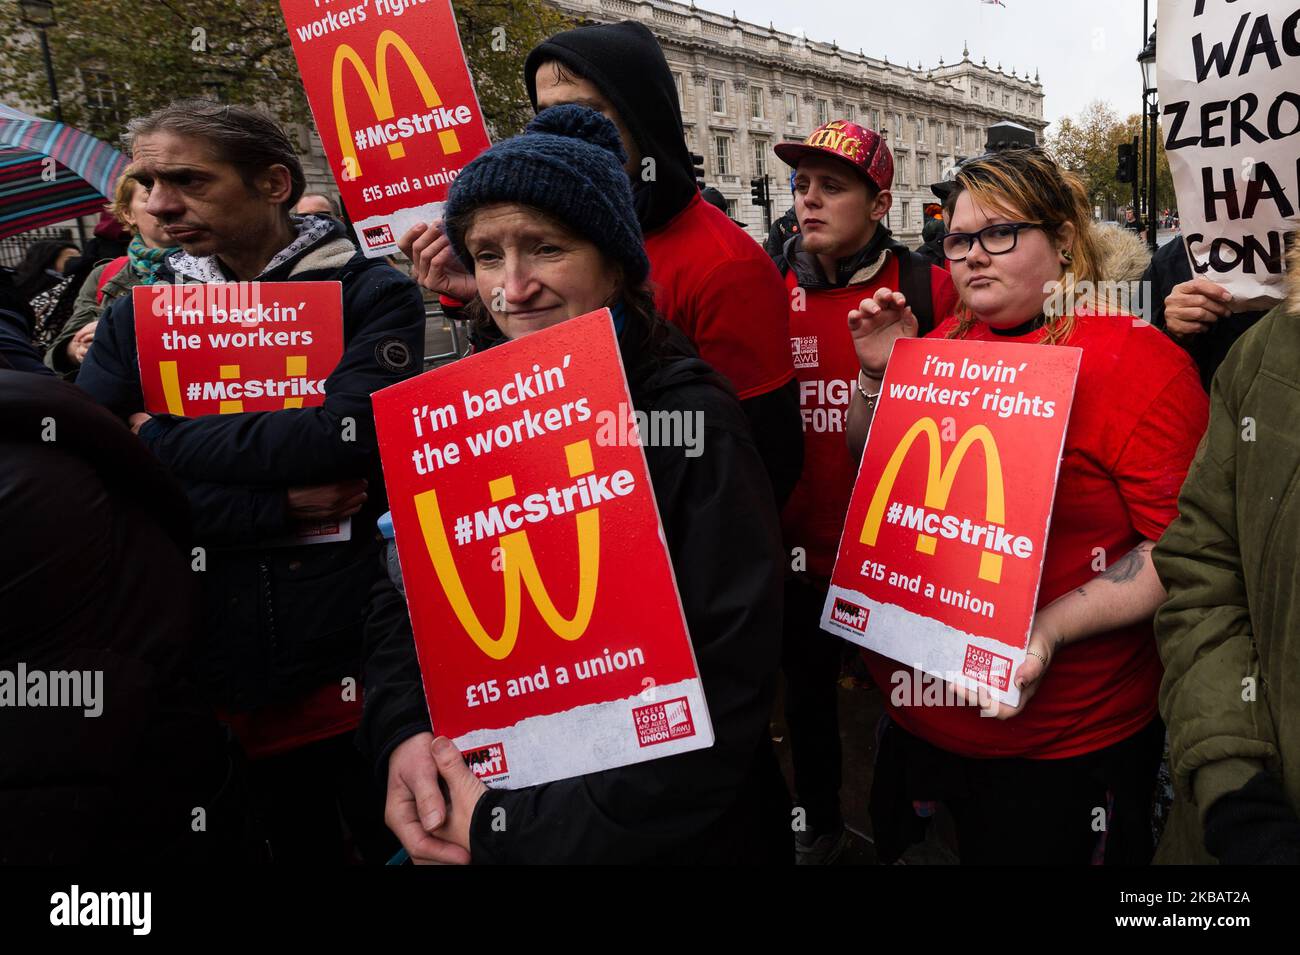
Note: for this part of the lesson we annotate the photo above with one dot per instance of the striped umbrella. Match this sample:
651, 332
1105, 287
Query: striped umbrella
83, 172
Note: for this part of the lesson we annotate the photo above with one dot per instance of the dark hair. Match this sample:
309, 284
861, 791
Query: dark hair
642, 320
29, 277
248, 139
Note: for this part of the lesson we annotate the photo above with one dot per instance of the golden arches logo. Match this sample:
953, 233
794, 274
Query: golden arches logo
380, 95
519, 567
938, 485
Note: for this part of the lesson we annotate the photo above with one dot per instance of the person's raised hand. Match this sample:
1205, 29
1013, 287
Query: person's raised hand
876, 324
1192, 307
414, 809
326, 502
434, 264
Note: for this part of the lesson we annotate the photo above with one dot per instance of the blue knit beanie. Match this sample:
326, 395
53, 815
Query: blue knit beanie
569, 164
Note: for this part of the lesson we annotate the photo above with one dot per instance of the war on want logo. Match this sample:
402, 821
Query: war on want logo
987, 667
661, 722
487, 762
850, 615
378, 235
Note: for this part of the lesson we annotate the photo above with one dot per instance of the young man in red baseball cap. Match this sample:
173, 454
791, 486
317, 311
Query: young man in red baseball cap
842, 254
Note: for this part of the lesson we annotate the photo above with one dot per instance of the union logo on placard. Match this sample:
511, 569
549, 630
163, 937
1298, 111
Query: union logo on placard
661, 722
987, 667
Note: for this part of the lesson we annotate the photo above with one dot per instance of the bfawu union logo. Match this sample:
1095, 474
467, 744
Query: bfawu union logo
661, 722
850, 614
987, 667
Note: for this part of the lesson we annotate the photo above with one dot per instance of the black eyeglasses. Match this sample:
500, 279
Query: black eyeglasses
997, 239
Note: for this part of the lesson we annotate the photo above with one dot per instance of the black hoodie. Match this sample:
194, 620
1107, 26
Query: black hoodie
626, 62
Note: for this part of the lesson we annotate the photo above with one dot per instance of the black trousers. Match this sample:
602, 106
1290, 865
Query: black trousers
1094, 808
321, 805
811, 659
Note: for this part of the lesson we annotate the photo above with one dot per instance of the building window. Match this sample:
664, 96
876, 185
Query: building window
921, 177
792, 109
875, 120
907, 214
937, 130
722, 149
731, 208
1006, 99
990, 95
975, 91
898, 127
823, 112
900, 169
851, 113
681, 89
102, 98
1020, 104
920, 130
719, 96
760, 157
756, 101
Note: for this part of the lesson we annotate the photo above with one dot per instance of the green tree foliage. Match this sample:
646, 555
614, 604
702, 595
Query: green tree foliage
154, 51
1088, 145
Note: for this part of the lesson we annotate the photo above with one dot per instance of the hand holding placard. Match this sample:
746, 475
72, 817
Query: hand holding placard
434, 262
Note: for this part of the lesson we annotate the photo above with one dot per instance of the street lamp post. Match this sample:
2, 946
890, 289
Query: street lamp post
40, 14
1147, 61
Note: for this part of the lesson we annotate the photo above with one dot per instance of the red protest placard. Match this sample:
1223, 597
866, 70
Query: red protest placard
393, 100
942, 551
546, 615
236, 346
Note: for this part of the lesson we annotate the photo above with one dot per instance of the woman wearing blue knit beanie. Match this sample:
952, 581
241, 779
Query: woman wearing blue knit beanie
545, 223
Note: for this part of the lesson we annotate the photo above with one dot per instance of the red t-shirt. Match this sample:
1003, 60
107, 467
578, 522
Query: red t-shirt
827, 368
718, 286
1139, 412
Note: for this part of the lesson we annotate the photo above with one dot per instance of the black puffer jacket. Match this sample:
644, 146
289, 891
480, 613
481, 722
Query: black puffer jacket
726, 803
281, 621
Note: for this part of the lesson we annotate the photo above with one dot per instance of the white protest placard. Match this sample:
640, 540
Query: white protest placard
1229, 78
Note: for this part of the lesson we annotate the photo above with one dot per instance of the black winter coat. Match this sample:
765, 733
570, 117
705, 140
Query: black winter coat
724, 804
281, 621
94, 577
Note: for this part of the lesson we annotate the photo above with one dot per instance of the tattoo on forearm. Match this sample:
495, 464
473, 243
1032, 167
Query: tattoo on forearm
1128, 566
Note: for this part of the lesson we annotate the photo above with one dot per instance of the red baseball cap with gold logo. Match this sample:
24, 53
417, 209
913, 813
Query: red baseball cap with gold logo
861, 148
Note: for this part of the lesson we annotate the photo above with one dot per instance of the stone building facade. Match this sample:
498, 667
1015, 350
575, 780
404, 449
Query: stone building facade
744, 87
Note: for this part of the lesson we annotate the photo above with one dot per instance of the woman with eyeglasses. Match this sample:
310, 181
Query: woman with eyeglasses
1068, 775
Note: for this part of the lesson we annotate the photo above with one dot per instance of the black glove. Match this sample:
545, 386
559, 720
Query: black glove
1254, 825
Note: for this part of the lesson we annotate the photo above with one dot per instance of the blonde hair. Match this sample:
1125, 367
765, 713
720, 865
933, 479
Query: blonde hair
1026, 183
123, 193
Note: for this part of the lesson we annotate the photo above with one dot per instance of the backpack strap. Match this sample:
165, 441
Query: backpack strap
111, 269
914, 283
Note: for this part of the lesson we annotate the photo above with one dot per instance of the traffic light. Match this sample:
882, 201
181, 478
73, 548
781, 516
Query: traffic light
758, 191
698, 162
1127, 169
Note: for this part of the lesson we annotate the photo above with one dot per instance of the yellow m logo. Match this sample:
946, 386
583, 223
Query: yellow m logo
938, 485
381, 97
519, 568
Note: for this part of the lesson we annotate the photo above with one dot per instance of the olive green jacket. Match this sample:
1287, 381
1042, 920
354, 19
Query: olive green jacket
1229, 632
87, 309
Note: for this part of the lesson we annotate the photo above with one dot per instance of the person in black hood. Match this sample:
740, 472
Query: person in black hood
559, 185
710, 279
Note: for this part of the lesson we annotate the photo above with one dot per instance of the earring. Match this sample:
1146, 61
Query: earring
1066, 256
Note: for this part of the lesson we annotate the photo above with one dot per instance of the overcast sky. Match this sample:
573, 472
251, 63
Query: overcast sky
1083, 51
